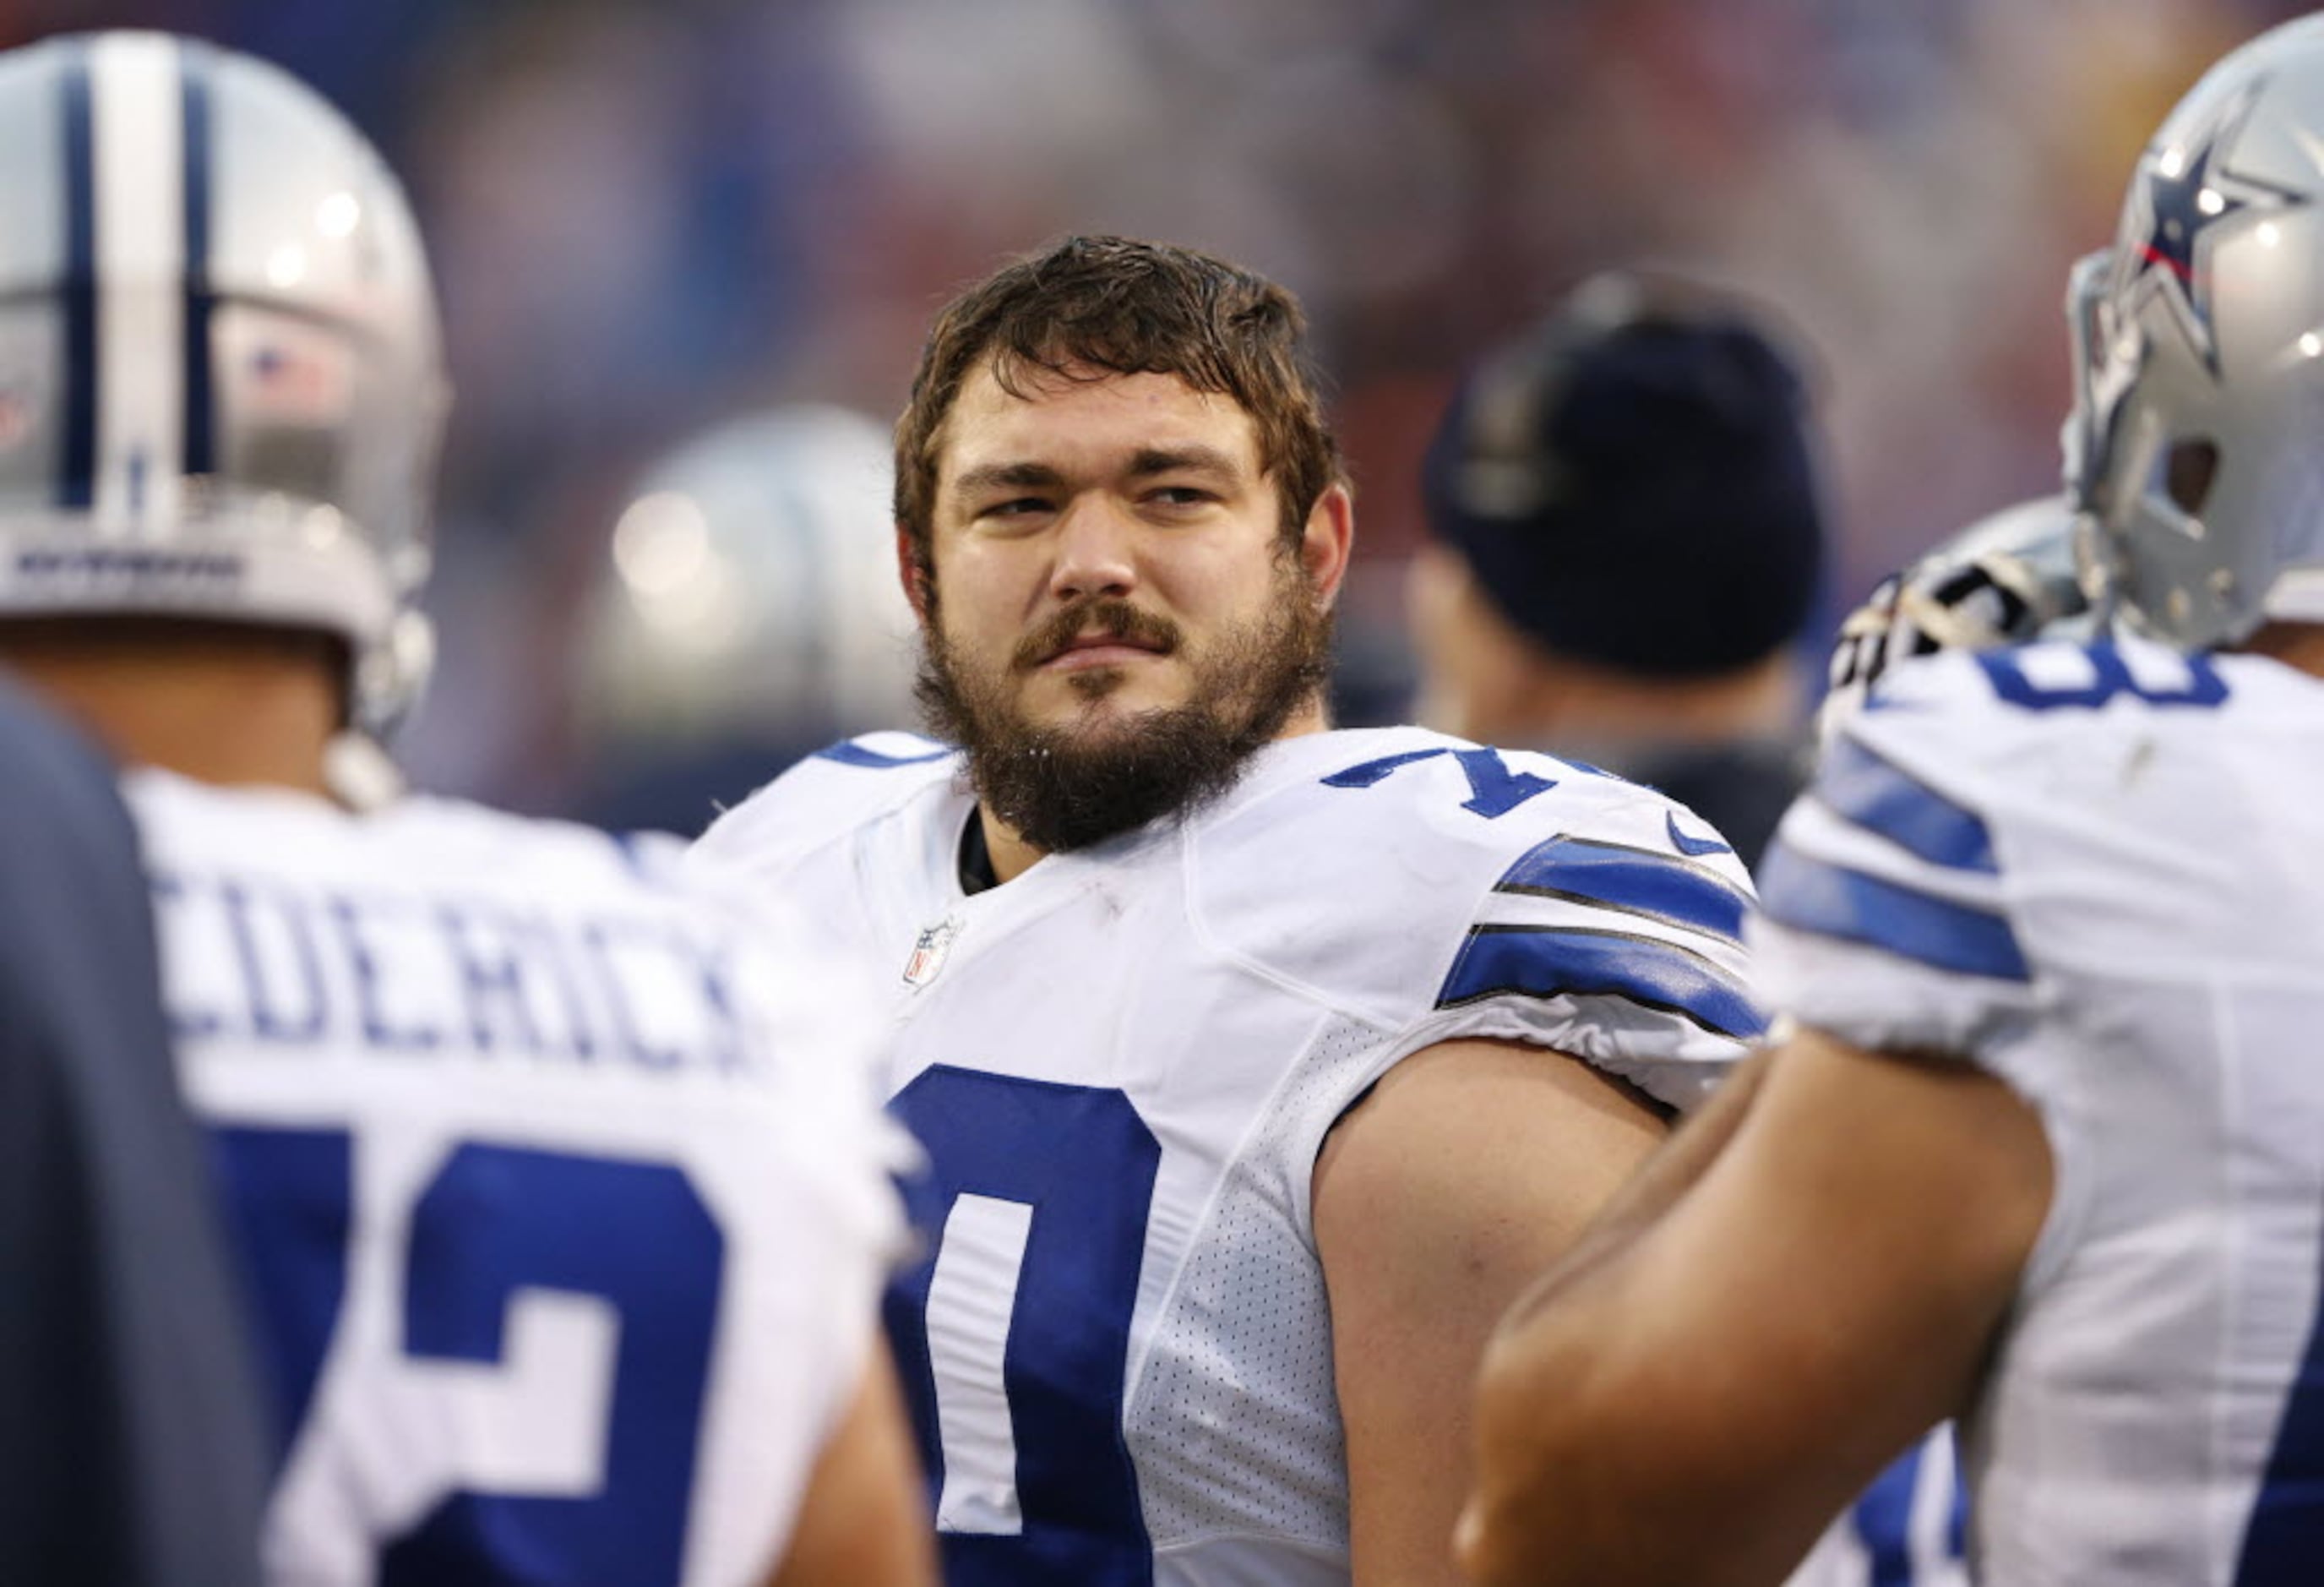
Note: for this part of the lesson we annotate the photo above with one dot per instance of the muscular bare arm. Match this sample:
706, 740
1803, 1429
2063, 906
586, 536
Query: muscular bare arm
1469, 1168
1692, 1401
1651, 1191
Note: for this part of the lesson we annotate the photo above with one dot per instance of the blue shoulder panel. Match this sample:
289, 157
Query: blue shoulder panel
1807, 894
1867, 790
1637, 882
1547, 962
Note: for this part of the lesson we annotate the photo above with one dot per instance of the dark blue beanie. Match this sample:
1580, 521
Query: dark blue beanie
1633, 484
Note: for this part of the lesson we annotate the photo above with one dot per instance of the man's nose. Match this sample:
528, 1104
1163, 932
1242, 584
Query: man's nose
1096, 551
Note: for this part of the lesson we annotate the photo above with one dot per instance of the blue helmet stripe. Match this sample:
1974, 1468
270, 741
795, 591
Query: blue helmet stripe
1637, 882
200, 413
1542, 962
76, 455
1808, 895
1869, 791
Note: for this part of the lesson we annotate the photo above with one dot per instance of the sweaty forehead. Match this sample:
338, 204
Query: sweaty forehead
1087, 424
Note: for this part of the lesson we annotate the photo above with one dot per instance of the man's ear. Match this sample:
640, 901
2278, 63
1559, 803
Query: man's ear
908, 570
1328, 541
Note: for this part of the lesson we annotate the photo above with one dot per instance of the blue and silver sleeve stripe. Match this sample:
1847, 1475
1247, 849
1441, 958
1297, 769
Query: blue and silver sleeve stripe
1868, 791
1637, 882
1542, 963
1805, 893
1875, 855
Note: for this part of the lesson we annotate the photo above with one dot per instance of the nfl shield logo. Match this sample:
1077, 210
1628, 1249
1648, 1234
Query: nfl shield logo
929, 953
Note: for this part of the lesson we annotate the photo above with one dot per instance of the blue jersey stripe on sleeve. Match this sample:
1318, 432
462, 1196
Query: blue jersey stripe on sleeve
1637, 882
1542, 962
1858, 784
1808, 895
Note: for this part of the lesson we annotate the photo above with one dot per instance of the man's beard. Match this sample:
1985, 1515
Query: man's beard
1062, 789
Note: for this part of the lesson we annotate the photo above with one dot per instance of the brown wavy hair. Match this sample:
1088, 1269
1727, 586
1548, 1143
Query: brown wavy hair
1118, 306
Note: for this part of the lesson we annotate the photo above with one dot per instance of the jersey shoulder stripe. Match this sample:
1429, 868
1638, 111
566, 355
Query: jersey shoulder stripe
1633, 880
1805, 893
1879, 857
1483, 892
1859, 786
1637, 924
1551, 961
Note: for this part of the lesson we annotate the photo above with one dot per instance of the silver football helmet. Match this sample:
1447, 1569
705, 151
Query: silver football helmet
2204, 381
221, 386
750, 591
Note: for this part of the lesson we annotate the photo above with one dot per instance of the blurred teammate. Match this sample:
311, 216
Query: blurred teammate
131, 1452
1256, 1062
1627, 539
560, 1211
747, 615
2047, 1146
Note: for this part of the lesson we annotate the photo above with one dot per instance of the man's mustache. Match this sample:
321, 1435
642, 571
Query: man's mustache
1108, 614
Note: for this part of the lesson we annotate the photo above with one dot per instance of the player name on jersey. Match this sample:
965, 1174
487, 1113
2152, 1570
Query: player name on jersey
562, 1196
284, 964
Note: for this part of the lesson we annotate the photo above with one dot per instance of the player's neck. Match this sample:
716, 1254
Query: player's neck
2298, 645
232, 714
1012, 856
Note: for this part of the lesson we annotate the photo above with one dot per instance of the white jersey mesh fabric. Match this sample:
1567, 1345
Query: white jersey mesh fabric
1234, 1414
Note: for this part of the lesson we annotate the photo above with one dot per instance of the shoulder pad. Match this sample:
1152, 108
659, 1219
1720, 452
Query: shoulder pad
1974, 783
1406, 877
830, 793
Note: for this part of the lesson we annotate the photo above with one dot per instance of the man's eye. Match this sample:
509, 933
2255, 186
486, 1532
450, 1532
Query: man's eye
1180, 495
1016, 507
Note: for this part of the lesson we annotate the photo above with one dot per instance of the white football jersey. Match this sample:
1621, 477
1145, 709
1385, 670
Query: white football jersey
2099, 873
564, 1204
1122, 1062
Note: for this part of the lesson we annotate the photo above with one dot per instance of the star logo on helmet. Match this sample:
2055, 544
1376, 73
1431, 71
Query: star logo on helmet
2183, 200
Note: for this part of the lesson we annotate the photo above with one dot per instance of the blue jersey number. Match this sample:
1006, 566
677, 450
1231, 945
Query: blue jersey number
1494, 790
1014, 1340
2109, 676
2285, 1536
493, 1222
1913, 1519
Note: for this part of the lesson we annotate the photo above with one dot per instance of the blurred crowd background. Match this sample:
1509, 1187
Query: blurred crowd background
650, 218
